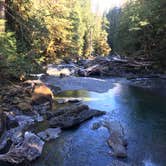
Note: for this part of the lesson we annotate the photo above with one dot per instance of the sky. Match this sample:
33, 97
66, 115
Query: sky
103, 5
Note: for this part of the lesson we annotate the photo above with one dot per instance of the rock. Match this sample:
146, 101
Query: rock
54, 89
24, 120
42, 108
66, 100
62, 70
82, 73
24, 106
116, 140
27, 149
2, 122
16, 100
15, 135
72, 116
49, 134
42, 94
11, 123
32, 82
96, 125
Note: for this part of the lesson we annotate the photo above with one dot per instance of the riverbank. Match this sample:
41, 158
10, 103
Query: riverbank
32, 112
23, 108
134, 71
140, 112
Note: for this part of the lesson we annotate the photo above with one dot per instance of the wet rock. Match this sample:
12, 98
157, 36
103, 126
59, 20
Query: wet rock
116, 140
96, 125
72, 116
49, 134
66, 100
28, 149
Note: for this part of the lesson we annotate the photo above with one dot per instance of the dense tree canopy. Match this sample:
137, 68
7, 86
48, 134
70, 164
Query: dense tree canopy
138, 27
44, 31
34, 32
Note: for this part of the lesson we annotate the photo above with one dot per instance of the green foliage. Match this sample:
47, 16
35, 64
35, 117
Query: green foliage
139, 26
101, 46
57, 29
44, 31
13, 64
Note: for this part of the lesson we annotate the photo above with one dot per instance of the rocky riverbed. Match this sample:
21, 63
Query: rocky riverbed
26, 105
34, 112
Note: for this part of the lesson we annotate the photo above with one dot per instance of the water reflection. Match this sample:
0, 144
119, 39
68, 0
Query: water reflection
143, 116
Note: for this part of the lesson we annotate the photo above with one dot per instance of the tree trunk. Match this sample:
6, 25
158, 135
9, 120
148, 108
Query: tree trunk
2, 16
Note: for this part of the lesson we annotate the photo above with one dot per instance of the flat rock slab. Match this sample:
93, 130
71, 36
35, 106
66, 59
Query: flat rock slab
26, 150
72, 116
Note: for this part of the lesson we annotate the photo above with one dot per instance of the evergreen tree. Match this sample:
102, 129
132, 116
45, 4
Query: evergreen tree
140, 28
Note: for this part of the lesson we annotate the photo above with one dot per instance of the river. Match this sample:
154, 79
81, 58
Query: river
141, 112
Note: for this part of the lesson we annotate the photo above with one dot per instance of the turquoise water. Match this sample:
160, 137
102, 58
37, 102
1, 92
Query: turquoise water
143, 116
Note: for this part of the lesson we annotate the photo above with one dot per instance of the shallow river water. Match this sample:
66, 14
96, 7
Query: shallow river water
142, 114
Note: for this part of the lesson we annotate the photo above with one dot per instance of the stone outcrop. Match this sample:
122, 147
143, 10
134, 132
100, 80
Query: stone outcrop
72, 116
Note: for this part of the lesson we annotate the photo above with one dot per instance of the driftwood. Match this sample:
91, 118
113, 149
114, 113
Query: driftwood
115, 67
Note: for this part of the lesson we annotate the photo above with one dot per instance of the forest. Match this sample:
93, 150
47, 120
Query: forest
82, 82
36, 32
39, 32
